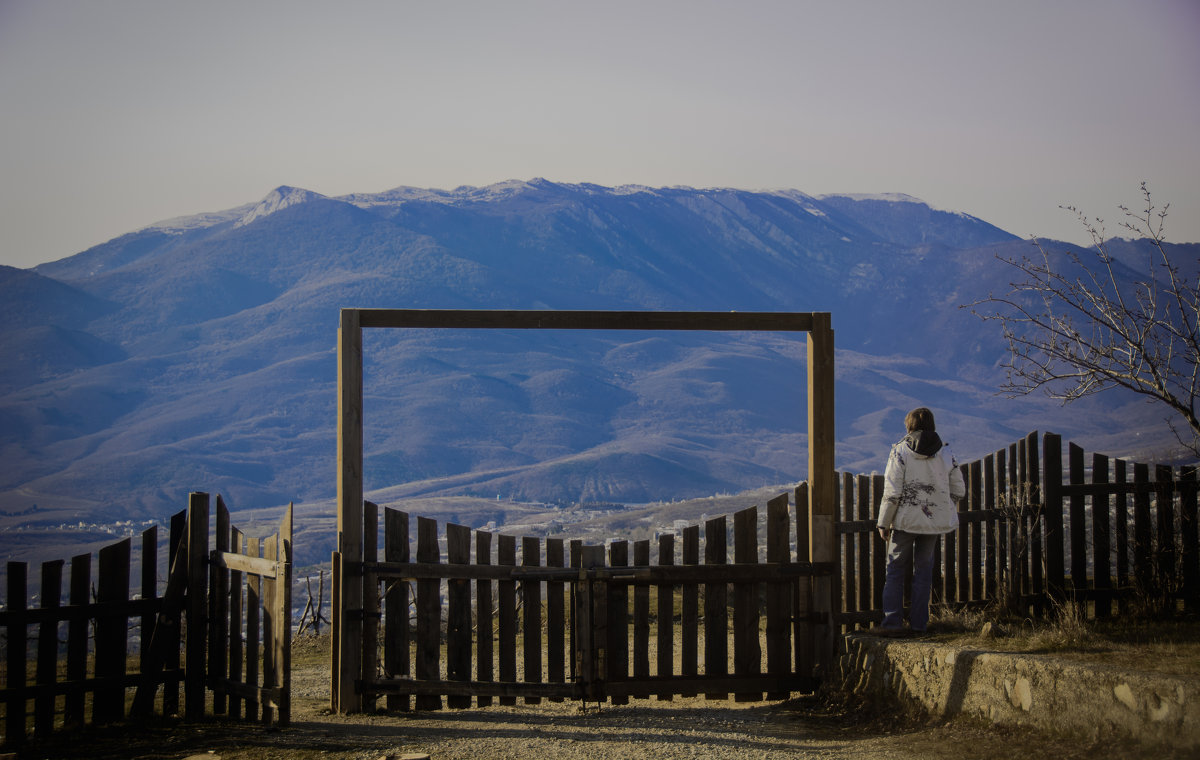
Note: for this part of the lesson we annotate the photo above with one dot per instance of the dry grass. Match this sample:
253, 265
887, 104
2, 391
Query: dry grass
1160, 646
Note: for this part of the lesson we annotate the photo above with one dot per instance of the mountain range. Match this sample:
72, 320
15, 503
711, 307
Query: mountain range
200, 353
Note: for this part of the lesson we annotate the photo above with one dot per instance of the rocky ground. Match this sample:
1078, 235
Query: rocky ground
682, 728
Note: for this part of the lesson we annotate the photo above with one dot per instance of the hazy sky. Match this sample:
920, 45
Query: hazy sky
121, 113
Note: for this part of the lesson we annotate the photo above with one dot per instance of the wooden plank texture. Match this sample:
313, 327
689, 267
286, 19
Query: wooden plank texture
429, 615
531, 593
716, 613
396, 638
458, 613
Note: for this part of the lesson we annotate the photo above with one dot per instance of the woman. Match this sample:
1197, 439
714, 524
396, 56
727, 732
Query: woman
921, 484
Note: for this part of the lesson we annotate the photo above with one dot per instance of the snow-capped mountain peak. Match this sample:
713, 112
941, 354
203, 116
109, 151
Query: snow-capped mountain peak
276, 200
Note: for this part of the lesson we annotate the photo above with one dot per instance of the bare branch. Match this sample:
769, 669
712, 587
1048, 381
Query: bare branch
1080, 322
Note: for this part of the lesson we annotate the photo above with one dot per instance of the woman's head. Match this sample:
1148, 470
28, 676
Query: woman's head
919, 419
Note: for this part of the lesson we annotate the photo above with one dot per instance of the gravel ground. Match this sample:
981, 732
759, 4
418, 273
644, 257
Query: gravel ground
683, 728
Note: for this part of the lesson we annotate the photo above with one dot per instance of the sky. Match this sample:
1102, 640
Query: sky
122, 113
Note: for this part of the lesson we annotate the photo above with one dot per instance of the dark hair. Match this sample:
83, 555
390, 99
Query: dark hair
919, 419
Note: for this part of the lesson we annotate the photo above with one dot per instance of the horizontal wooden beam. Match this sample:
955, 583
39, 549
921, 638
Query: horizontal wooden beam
267, 568
653, 574
647, 686
586, 320
472, 688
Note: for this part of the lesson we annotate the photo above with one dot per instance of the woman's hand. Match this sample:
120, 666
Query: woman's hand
885, 534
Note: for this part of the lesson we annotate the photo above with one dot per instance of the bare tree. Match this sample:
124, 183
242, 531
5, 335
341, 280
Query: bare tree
1078, 323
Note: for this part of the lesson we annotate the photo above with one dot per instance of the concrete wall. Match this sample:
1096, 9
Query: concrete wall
1092, 702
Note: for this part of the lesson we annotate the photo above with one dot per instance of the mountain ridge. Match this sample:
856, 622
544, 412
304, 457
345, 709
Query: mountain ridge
202, 354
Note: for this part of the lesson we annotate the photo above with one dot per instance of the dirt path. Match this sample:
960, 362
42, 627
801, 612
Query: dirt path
682, 728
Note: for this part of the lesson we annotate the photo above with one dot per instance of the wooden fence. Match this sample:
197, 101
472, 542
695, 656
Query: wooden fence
1100, 531
223, 636
566, 620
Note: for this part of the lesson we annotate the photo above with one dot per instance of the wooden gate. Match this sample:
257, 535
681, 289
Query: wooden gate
569, 620
357, 569
225, 612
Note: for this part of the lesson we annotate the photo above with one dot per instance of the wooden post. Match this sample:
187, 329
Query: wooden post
1101, 538
1189, 543
283, 599
716, 610
747, 652
531, 619
990, 533
237, 639
458, 614
112, 634
218, 613
506, 554
689, 618
77, 641
556, 617
778, 594
484, 626
370, 600
618, 621
270, 629
1052, 514
253, 629
849, 565
975, 493
17, 649
347, 615
47, 650
1164, 513
197, 610
396, 657
429, 614
641, 615
666, 612
821, 478
865, 539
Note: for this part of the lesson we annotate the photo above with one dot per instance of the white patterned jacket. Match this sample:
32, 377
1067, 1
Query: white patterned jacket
920, 489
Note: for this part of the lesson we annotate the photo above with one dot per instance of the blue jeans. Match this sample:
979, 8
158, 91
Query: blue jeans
908, 553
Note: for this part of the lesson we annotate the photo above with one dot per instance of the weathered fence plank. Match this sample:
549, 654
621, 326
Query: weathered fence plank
618, 620
665, 664
458, 613
507, 640
429, 614
716, 613
483, 616
396, 659
531, 601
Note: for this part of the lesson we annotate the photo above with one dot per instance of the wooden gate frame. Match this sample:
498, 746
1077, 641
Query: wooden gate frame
348, 608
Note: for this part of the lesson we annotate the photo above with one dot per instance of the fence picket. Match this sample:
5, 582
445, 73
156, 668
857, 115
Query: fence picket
47, 649
1189, 541
483, 616
689, 619
531, 601
112, 632
716, 612
396, 657
778, 595
747, 654
618, 620
641, 615
429, 614
17, 649
458, 613
507, 641
1101, 538
556, 619
666, 613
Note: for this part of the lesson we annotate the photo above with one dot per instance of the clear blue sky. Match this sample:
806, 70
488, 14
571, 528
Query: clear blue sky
118, 114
